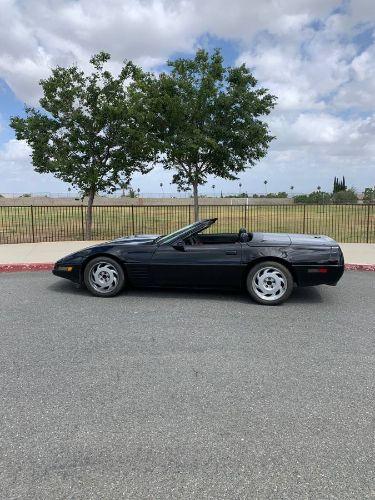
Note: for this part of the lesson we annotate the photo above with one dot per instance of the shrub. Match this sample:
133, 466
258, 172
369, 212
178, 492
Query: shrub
369, 195
280, 194
319, 197
240, 195
314, 197
348, 196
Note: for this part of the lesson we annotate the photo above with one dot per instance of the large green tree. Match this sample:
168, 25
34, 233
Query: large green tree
91, 130
209, 120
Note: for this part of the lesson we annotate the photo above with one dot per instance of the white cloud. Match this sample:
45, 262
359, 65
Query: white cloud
326, 135
243, 19
14, 162
36, 35
302, 70
14, 151
359, 91
17, 174
361, 11
318, 72
304, 51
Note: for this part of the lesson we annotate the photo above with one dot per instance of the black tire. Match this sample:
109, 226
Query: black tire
111, 280
278, 280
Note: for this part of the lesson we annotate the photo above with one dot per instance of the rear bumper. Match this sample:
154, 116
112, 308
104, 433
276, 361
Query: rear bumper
311, 275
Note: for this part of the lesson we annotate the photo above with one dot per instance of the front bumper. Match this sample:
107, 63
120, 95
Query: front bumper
70, 272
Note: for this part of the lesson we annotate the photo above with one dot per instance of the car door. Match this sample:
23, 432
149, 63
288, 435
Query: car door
197, 266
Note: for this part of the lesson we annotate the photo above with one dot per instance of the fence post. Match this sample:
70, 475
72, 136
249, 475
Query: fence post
32, 223
304, 219
133, 227
368, 224
82, 224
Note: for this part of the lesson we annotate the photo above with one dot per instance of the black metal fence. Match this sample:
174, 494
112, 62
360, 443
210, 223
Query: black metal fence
27, 224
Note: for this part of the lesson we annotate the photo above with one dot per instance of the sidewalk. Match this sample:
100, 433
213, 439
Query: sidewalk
39, 256
46, 252
356, 253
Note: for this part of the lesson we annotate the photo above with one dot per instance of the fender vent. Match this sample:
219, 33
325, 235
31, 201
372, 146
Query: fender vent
139, 274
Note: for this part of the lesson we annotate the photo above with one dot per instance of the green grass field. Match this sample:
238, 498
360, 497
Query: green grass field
345, 223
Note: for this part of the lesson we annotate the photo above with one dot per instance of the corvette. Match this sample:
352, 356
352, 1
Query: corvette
267, 265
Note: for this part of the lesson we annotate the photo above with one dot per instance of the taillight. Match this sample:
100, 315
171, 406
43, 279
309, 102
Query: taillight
336, 256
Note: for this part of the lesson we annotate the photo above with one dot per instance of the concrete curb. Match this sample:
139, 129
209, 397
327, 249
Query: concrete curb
48, 266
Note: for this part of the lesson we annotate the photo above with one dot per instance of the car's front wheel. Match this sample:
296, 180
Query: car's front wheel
104, 277
269, 283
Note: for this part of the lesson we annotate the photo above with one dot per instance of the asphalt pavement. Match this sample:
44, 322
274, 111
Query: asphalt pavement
174, 394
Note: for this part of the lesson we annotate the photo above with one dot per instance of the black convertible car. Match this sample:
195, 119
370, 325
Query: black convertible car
267, 265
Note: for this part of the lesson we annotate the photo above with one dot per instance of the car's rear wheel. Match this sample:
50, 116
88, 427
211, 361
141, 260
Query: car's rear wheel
104, 277
269, 283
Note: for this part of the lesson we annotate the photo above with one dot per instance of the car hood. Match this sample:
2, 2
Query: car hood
292, 239
136, 239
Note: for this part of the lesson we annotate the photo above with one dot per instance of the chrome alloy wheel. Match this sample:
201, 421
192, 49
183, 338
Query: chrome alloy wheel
269, 283
103, 277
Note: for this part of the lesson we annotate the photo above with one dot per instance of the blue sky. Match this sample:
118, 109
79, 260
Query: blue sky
317, 56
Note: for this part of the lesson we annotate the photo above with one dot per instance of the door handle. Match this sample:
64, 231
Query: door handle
231, 252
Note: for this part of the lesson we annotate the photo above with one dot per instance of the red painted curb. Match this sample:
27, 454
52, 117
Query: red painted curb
359, 267
13, 268
47, 266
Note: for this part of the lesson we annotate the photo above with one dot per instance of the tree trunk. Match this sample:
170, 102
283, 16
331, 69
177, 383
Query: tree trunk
196, 206
89, 214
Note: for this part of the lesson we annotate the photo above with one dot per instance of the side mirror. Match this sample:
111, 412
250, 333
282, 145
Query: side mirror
179, 245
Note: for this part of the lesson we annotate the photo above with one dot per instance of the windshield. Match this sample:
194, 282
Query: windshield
175, 234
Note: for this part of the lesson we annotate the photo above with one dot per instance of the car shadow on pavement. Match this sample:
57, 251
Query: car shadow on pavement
299, 295
66, 287
308, 294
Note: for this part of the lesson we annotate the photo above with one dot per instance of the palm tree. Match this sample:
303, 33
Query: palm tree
319, 189
240, 186
265, 185
123, 185
291, 191
213, 189
162, 190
